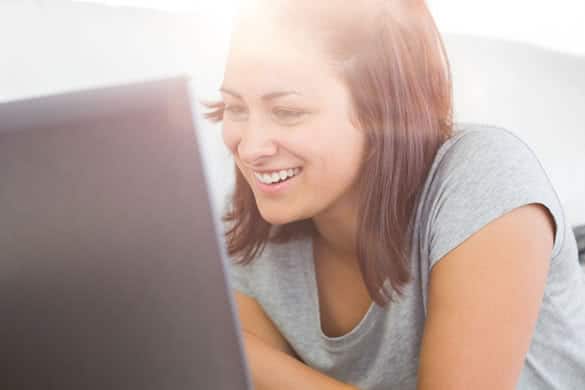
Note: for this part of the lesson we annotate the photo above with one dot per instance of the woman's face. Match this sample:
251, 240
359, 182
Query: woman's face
286, 111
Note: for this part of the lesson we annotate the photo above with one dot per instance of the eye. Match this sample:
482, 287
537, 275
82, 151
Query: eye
288, 115
236, 112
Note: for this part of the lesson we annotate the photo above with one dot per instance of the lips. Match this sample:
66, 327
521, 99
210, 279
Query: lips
277, 176
278, 187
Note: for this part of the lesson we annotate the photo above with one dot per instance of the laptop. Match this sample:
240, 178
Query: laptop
113, 273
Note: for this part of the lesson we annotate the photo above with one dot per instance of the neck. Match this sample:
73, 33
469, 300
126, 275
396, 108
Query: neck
336, 233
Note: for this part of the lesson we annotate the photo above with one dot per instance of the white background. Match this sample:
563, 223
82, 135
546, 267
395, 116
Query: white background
555, 24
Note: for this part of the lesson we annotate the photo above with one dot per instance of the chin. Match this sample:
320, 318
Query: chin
277, 217
274, 219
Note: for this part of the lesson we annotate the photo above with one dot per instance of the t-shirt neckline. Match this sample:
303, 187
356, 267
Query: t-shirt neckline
358, 330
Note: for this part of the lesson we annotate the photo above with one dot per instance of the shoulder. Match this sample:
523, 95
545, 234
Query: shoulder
477, 144
480, 157
260, 275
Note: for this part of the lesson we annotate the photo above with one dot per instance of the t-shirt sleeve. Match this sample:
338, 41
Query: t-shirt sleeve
484, 175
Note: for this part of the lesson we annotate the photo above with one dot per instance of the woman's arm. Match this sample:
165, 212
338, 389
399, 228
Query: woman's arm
484, 299
275, 370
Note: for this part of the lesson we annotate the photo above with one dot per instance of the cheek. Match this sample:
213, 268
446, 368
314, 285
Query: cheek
341, 159
231, 138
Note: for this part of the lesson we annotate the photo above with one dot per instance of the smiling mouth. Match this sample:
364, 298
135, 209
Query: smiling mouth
280, 181
276, 187
276, 177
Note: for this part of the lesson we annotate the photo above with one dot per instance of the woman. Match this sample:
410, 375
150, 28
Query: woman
379, 245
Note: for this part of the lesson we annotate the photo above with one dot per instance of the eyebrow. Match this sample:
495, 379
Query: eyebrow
268, 96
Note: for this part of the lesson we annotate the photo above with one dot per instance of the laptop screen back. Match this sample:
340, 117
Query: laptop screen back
111, 272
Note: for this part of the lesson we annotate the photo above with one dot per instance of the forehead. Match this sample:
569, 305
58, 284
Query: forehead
265, 58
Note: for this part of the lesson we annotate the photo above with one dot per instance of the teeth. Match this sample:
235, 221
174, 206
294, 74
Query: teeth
269, 178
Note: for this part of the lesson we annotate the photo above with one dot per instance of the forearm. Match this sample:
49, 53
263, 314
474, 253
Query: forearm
273, 369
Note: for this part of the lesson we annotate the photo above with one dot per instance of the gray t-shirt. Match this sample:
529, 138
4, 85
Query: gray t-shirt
479, 174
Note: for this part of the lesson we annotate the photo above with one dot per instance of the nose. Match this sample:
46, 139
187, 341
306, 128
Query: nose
256, 145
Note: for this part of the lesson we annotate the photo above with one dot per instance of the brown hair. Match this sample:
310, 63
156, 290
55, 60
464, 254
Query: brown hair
394, 63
